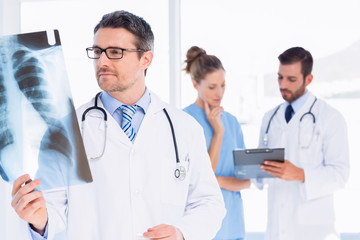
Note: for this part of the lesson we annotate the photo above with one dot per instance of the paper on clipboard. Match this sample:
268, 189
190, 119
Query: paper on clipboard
248, 161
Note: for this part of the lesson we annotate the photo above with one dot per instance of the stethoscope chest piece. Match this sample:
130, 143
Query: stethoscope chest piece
180, 173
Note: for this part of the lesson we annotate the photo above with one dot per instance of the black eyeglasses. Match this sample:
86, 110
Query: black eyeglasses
111, 52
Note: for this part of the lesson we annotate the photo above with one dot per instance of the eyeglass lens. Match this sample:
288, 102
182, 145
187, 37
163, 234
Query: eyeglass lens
111, 53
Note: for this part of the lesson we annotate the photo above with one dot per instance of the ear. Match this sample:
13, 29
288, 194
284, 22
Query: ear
195, 84
308, 79
146, 59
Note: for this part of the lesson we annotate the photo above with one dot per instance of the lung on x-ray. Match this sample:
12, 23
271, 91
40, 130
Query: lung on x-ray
39, 132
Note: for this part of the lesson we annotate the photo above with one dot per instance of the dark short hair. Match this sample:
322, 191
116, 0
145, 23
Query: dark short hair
132, 23
298, 54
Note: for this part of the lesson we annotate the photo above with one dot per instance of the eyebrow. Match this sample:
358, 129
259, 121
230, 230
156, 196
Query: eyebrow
279, 75
107, 47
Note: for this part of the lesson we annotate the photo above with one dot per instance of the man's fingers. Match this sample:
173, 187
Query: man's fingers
158, 227
18, 182
160, 231
24, 190
270, 168
273, 163
36, 205
28, 198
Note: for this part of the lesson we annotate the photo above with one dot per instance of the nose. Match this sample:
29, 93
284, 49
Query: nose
220, 92
103, 60
283, 84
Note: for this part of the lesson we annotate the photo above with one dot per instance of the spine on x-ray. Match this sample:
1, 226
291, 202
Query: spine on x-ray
6, 137
30, 76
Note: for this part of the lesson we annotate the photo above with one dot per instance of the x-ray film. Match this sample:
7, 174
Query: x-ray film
39, 132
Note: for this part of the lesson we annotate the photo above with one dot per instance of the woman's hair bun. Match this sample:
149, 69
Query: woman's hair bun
193, 53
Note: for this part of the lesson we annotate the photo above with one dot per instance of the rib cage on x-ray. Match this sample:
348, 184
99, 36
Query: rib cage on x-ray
30, 78
39, 131
22, 67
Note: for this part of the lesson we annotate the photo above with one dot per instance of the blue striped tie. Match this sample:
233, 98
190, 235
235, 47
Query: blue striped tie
127, 115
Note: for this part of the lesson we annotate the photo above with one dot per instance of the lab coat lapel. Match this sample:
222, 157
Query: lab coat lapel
114, 129
298, 114
289, 131
290, 128
156, 106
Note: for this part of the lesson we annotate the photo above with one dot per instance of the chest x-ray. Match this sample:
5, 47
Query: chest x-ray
39, 132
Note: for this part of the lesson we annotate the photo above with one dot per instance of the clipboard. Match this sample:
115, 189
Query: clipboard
248, 161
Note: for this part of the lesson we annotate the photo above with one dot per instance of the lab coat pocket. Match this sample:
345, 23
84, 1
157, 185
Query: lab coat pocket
173, 190
310, 148
316, 211
174, 193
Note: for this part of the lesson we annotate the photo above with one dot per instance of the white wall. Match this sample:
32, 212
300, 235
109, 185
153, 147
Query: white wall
246, 35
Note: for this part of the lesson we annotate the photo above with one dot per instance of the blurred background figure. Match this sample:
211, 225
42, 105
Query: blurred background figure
314, 135
222, 132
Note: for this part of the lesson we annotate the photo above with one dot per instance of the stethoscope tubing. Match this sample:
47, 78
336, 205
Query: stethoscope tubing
180, 171
173, 135
276, 110
96, 107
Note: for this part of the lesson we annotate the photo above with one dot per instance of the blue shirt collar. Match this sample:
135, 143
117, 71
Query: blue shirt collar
298, 103
111, 104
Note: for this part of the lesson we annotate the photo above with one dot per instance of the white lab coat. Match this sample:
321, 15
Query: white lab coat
134, 187
297, 210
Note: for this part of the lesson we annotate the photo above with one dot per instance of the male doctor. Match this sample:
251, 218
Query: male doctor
314, 135
136, 192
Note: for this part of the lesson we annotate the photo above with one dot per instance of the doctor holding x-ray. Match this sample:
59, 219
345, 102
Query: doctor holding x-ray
314, 135
152, 177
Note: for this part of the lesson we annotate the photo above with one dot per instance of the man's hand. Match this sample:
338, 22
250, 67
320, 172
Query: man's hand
286, 170
29, 204
164, 232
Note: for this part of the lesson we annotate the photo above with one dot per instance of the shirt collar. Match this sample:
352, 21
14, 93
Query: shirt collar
144, 101
111, 104
298, 103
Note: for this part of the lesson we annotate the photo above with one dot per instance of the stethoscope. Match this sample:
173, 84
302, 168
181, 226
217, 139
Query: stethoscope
180, 171
309, 113
95, 107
